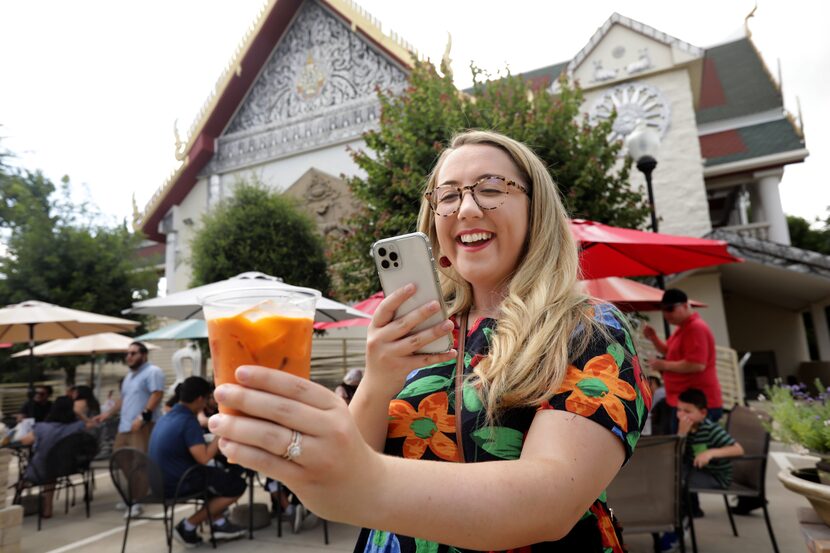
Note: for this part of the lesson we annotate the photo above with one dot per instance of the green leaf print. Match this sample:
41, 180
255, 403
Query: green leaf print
472, 402
467, 359
593, 387
632, 438
608, 550
453, 550
603, 497
441, 364
641, 408
423, 428
617, 352
379, 538
425, 385
499, 441
488, 335
424, 546
628, 343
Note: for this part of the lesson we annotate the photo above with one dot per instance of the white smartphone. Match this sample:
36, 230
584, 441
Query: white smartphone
408, 258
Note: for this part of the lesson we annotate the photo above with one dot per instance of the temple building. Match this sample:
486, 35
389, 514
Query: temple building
301, 91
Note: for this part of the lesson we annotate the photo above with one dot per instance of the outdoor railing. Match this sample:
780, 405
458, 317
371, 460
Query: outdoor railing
758, 231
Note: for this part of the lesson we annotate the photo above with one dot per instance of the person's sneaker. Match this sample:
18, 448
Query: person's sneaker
669, 542
299, 517
227, 531
188, 538
134, 511
120, 506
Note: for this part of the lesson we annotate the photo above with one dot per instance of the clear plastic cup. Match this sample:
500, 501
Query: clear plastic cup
270, 327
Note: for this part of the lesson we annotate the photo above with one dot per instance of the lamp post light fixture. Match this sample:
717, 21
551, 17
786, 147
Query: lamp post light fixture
642, 145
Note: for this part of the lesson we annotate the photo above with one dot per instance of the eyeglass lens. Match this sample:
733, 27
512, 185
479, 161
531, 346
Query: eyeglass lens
488, 193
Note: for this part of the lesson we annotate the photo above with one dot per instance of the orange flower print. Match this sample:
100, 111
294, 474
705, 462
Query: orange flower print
606, 529
424, 427
598, 384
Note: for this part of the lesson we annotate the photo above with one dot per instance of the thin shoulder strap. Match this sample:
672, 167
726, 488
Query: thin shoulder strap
459, 384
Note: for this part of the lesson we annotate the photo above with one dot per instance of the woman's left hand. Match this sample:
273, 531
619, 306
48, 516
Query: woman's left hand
335, 465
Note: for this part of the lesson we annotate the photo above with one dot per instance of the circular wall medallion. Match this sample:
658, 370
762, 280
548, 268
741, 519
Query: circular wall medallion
618, 52
633, 102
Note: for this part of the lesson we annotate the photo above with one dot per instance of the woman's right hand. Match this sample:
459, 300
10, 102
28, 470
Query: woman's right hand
390, 350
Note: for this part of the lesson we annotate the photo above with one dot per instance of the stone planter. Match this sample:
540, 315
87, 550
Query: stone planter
805, 482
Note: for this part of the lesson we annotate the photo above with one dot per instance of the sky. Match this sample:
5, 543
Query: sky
92, 89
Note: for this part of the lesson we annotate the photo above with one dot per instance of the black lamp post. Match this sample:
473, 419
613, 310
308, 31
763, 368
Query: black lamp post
642, 145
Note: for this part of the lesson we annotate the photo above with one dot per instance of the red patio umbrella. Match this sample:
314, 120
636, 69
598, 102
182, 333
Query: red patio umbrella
628, 295
368, 306
612, 251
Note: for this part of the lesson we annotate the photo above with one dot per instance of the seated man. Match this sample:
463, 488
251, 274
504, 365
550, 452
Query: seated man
176, 444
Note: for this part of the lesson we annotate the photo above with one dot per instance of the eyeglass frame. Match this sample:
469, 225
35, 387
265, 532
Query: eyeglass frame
471, 188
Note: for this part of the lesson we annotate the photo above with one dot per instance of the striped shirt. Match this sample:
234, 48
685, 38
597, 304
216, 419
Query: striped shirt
710, 435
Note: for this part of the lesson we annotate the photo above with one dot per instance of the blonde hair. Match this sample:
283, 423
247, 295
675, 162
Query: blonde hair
545, 322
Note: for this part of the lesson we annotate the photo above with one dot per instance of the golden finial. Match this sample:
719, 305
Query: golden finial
136, 214
179, 153
746, 21
446, 62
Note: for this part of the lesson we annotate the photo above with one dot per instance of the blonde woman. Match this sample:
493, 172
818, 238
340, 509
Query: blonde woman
514, 454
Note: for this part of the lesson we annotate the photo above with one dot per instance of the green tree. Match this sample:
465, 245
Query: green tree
57, 253
803, 235
259, 230
415, 126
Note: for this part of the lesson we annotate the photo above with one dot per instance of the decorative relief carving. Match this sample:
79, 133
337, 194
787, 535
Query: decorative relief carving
643, 63
327, 199
319, 63
601, 74
318, 88
634, 103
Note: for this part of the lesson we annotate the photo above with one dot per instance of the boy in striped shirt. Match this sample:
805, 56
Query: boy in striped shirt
706, 459
708, 445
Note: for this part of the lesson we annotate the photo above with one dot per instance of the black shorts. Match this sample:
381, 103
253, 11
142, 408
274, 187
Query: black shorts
221, 483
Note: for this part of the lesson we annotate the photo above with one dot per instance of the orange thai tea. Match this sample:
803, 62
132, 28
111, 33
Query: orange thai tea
274, 341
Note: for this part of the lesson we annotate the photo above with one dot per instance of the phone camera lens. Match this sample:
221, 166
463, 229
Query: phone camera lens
385, 264
382, 252
396, 264
393, 256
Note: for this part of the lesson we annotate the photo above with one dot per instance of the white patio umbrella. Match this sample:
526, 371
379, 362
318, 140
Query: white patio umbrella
36, 321
92, 345
186, 304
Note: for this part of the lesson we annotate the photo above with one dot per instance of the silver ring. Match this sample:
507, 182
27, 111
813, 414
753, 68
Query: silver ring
295, 448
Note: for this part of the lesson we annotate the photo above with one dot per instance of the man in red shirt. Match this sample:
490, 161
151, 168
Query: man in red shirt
688, 355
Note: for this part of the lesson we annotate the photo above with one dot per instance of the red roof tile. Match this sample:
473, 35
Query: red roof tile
711, 93
721, 144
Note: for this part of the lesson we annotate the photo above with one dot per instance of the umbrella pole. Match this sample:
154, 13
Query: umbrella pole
31, 359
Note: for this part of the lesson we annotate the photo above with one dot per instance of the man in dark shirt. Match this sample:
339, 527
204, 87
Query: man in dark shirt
38, 406
176, 444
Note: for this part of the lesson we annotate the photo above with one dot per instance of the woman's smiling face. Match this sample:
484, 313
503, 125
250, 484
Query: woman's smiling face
484, 246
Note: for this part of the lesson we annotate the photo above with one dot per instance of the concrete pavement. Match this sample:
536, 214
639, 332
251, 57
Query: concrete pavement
103, 532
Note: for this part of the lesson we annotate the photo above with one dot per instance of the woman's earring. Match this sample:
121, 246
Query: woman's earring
444, 261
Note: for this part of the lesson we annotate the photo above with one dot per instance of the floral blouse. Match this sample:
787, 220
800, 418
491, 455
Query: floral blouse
604, 384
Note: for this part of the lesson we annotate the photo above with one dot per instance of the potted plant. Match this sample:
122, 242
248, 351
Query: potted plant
802, 420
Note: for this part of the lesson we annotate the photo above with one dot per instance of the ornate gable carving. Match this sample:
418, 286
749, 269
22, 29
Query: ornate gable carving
317, 88
327, 199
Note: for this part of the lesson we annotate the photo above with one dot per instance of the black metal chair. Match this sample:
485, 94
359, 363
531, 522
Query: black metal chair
748, 471
278, 506
139, 481
69, 457
645, 496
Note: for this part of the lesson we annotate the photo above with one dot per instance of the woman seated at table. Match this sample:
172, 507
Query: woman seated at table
60, 423
86, 404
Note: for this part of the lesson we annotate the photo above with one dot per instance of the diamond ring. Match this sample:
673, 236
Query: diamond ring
295, 448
